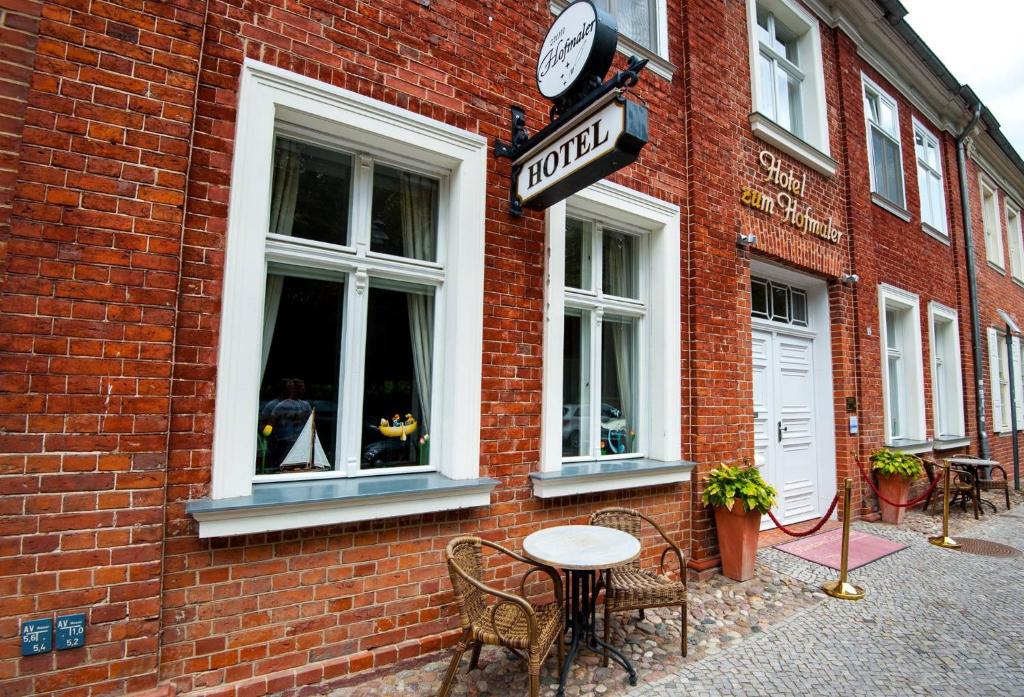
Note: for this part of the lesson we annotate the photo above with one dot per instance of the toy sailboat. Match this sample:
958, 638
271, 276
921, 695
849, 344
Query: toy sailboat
307, 452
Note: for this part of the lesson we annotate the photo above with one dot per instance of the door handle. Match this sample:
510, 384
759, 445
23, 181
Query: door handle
781, 429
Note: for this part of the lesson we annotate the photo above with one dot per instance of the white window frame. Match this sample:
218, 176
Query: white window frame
948, 404
659, 358
925, 169
896, 207
998, 367
269, 97
658, 55
991, 224
1015, 239
812, 148
908, 305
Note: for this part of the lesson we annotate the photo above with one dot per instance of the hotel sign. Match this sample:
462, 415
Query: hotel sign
788, 201
598, 142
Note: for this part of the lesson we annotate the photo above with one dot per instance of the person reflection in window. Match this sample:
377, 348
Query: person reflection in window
287, 415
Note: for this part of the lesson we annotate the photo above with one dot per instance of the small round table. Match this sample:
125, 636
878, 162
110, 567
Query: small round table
581, 551
979, 470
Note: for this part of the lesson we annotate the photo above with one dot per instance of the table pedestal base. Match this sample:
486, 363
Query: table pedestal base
581, 609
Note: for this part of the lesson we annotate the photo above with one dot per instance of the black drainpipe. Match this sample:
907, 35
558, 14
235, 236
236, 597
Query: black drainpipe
972, 280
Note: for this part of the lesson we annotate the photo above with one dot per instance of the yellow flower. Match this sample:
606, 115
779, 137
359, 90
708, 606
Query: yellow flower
267, 430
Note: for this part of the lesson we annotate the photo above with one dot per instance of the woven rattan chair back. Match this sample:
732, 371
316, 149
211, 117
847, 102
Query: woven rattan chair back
624, 519
465, 555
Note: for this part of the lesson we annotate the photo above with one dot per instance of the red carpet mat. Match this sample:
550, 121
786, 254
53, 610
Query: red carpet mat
825, 548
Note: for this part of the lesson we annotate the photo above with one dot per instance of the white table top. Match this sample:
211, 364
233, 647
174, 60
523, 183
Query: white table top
581, 547
968, 460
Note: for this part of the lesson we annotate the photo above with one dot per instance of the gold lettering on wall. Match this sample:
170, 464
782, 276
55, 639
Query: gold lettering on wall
793, 188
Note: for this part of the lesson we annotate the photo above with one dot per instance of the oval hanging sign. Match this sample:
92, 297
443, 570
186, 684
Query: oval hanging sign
579, 46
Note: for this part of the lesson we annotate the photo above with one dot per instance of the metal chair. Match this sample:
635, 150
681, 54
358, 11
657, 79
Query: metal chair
490, 616
992, 484
961, 486
629, 587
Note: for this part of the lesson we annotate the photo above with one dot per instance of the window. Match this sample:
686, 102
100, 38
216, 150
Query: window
778, 302
990, 222
902, 374
999, 375
788, 81
368, 334
1013, 236
636, 19
884, 155
947, 388
929, 180
611, 399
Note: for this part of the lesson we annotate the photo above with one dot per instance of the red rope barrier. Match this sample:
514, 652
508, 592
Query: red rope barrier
908, 504
805, 533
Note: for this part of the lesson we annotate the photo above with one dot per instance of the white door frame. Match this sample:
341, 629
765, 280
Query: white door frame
819, 326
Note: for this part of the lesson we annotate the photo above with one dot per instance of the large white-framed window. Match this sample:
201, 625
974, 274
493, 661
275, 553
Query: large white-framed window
991, 224
643, 29
885, 155
999, 377
1015, 240
351, 317
902, 372
947, 376
787, 81
611, 352
929, 180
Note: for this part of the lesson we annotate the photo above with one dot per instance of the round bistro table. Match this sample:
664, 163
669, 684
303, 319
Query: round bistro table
582, 551
980, 470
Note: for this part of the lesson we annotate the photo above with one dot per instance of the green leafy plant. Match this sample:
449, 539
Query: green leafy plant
889, 462
726, 483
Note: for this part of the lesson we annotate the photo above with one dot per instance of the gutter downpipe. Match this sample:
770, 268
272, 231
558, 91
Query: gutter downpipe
972, 280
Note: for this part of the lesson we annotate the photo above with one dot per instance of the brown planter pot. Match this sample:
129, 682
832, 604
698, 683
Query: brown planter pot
737, 540
895, 488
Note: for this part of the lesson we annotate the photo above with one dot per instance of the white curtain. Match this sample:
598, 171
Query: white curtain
622, 345
282, 217
418, 215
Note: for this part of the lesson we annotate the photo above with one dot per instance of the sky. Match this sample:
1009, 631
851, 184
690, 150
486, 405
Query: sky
982, 44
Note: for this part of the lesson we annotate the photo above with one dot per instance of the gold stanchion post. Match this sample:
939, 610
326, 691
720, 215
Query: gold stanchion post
944, 540
841, 588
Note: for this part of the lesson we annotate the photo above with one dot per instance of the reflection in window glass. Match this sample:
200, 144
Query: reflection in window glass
404, 215
397, 379
310, 192
798, 304
302, 342
780, 303
576, 385
577, 254
759, 298
619, 264
618, 386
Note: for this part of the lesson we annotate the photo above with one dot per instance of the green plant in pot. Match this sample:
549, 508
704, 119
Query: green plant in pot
739, 496
894, 471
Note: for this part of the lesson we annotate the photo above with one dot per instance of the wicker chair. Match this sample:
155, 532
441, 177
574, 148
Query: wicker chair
629, 587
993, 484
961, 486
503, 619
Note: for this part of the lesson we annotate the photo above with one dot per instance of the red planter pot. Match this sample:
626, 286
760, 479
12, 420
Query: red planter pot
895, 488
737, 540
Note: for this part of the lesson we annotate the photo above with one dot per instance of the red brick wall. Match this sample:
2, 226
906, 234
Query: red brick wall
87, 322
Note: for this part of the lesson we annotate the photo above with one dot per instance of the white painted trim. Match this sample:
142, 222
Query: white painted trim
571, 486
1014, 237
912, 353
868, 84
270, 95
956, 396
984, 183
800, 150
919, 127
820, 330
887, 205
253, 521
815, 115
659, 221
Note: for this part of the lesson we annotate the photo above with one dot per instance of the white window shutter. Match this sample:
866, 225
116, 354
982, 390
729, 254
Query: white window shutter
1018, 383
993, 375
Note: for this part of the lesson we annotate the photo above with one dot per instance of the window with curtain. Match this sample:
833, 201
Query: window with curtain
902, 365
947, 394
348, 330
1013, 235
780, 77
884, 158
604, 311
929, 179
636, 19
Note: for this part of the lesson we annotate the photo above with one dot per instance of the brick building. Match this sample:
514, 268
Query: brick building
243, 243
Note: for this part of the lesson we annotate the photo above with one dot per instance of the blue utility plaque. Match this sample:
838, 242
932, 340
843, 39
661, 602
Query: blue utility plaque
70, 631
36, 636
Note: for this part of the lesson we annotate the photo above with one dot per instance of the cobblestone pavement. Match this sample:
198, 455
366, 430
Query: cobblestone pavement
917, 632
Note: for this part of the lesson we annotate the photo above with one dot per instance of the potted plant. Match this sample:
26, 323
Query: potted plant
740, 497
894, 471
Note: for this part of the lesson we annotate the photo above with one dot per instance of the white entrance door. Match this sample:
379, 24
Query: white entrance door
784, 422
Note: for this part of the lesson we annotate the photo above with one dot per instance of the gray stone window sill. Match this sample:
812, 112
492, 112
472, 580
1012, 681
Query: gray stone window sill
950, 443
290, 505
609, 475
794, 146
912, 447
897, 210
933, 232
